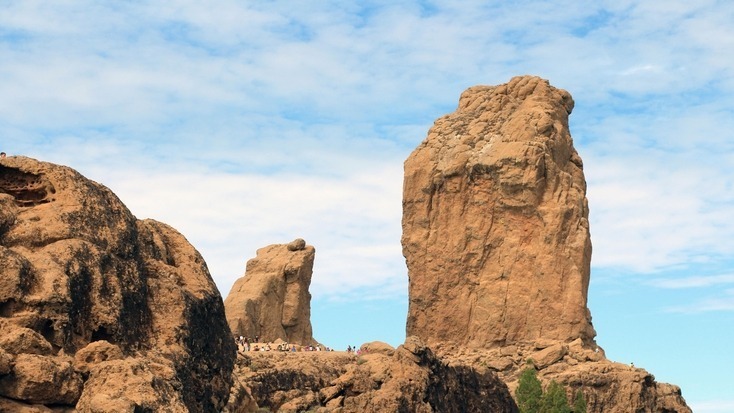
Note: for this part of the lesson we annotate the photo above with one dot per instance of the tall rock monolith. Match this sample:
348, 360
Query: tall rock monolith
496, 238
495, 221
271, 301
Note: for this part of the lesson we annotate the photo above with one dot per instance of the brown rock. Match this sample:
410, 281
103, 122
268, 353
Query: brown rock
272, 300
95, 353
42, 379
14, 406
617, 388
131, 385
240, 399
77, 268
411, 379
549, 355
495, 221
496, 238
6, 362
19, 340
378, 347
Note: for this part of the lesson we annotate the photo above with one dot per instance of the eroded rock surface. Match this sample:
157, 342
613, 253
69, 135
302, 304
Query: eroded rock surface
100, 311
495, 221
271, 301
382, 379
608, 387
496, 239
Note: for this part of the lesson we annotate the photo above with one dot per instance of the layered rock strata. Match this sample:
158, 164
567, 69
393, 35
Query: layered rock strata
100, 311
271, 301
496, 239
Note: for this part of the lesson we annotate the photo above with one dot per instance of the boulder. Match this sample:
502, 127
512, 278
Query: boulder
43, 380
271, 301
549, 355
81, 276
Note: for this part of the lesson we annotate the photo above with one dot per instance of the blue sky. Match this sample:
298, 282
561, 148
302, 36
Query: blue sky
244, 124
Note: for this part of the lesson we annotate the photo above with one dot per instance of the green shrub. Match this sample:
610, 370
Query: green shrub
529, 391
579, 402
554, 399
532, 399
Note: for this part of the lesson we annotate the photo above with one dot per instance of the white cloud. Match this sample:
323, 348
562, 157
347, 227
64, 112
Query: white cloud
713, 406
723, 301
694, 282
246, 124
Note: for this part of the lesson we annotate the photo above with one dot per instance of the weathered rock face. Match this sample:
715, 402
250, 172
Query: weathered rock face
608, 387
271, 301
496, 238
407, 379
100, 311
495, 229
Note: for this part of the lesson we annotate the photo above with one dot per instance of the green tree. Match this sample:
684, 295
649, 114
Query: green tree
579, 402
529, 391
554, 399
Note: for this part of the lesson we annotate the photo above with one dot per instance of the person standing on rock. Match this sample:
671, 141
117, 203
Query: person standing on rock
3, 155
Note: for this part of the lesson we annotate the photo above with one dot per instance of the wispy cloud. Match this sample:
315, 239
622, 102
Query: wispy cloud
716, 406
694, 282
269, 89
247, 124
722, 301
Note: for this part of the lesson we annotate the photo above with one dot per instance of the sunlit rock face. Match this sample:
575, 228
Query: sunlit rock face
100, 311
496, 239
272, 300
495, 221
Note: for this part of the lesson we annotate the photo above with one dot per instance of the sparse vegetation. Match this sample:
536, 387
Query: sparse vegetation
529, 391
532, 399
579, 402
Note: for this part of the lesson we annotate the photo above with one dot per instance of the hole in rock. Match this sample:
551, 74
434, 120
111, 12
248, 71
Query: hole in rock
102, 334
28, 189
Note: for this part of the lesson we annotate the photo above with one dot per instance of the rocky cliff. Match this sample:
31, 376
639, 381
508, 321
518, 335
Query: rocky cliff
99, 311
495, 228
496, 239
271, 301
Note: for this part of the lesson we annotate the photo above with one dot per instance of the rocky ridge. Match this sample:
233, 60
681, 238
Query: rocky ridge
99, 311
380, 379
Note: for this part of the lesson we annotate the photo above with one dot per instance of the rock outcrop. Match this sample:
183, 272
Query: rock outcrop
496, 239
381, 379
99, 311
607, 386
495, 221
271, 301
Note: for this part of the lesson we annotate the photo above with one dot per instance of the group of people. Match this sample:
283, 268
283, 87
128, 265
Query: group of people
248, 344
355, 350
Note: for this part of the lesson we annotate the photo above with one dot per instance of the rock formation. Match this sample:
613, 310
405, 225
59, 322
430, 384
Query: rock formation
496, 239
271, 301
608, 387
495, 229
381, 379
99, 311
